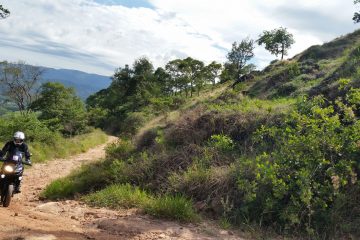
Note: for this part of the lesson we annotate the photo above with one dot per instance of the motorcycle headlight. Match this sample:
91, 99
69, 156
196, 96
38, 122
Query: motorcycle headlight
9, 169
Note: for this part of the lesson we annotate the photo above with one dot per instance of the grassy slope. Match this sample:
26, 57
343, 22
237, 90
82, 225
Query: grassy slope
205, 149
67, 146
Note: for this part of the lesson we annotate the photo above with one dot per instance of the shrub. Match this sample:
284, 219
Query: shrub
132, 123
294, 183
293, 70
221, 142
120, 150
35, 131
286, 89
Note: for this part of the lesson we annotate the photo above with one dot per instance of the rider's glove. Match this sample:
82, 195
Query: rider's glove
28, 161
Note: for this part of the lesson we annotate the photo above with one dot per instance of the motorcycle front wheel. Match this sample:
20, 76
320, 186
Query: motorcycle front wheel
6, 195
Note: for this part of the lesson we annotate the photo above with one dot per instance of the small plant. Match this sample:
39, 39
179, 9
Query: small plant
120, 150
221, 142
293, 70
225, 223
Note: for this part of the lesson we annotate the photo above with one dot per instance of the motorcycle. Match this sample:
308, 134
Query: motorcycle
11, 171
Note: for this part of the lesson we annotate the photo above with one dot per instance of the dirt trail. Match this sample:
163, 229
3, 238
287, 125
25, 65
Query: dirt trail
29, 218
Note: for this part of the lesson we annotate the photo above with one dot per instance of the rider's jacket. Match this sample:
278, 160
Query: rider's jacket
11, 148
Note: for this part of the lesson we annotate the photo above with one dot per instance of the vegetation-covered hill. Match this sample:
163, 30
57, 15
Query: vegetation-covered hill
85, 84
279, 151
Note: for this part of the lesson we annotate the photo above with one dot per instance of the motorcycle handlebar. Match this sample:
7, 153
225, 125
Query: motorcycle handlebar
23, 162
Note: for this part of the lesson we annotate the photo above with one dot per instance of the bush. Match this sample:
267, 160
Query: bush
286, 90
313, 159
132, 123
120, 150
35, 131
293, 70
221, 142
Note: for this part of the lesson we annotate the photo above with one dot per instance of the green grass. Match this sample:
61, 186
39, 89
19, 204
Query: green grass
175, 207
86, 179
251, 105
118, 196
59, 188
65, 147
126, 196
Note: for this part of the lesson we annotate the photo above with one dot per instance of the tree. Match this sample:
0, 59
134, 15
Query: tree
60, 109
277, 41
239, 55
163, 80
356, 17
19, 83
193, 71
178, 80
212, 71
4, 13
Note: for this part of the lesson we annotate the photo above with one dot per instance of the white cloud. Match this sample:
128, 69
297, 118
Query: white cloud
88, 36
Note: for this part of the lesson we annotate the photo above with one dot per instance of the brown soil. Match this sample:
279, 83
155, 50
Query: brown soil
29, 218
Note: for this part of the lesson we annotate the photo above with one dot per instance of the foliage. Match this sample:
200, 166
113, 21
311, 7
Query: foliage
61, 109
221, 142
139, 93
306, 163
239, 55
120, 150
212, 71
35, 131
19, 83
4, 13
356, 17
277, 41
56, 146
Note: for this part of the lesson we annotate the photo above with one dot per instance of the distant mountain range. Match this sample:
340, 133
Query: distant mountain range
84, 83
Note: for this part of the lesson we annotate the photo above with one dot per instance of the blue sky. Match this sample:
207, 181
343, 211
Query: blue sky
98, 36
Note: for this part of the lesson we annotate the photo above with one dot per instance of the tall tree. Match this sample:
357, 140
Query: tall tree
212, 72
19, 83
60, 108
277, 41
177, 76
4, 13
163, 81
193, 70
356, 17
239, 56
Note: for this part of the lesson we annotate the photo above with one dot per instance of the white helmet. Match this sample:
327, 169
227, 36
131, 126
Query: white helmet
19, 138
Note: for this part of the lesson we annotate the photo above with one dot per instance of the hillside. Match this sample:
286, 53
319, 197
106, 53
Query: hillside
279, 153
313, 71
84, 83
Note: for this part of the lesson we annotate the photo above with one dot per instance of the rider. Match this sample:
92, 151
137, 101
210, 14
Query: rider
17, 145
